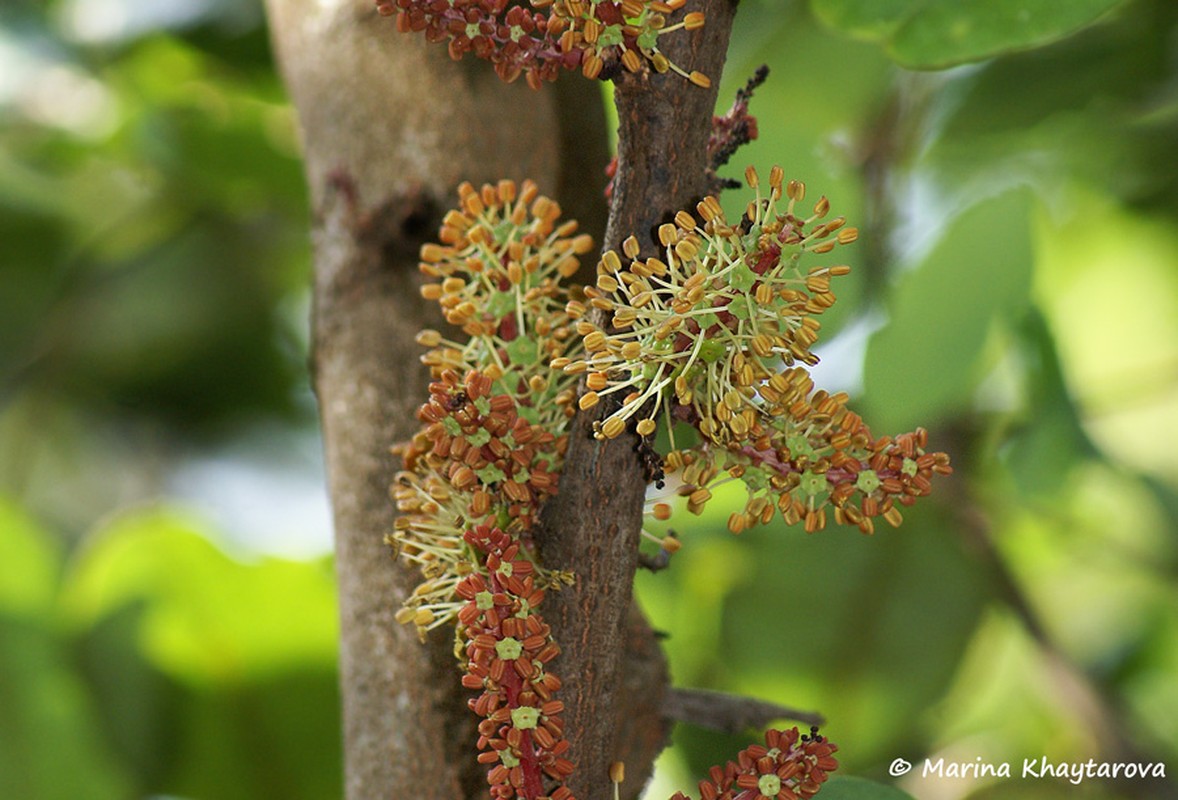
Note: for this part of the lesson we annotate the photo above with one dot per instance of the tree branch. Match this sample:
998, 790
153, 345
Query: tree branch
729, 713
591, 527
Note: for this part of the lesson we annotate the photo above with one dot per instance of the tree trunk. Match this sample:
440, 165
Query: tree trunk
390, 127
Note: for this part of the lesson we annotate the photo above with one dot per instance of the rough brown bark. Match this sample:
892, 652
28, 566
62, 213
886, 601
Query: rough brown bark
592, 525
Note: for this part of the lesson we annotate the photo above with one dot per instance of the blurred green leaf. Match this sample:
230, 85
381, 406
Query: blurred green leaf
214, 678
138, 705
209, 618
1100, 111
272, 737
923, 364
873, 20
952, 32
50, 745
1052, 440
934, 34
848, 787
29, 563
827, 622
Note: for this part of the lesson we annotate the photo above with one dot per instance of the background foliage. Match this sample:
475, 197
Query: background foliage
167, 619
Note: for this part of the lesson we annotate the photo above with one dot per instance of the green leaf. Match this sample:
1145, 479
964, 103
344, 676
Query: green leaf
947, 33
28, 563
925, 362
52, 747
1043, 450
214, 677
207, 618
934, 34
848, 787
134, 699
873, 20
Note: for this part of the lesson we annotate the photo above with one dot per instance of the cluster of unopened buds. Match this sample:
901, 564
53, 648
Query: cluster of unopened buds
789, 766
711, 340
540, 38
508, 648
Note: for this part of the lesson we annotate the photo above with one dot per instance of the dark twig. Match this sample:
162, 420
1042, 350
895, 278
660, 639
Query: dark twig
737, 127
729, 713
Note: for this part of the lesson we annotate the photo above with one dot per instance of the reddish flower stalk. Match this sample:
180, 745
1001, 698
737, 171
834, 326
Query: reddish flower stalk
508, 647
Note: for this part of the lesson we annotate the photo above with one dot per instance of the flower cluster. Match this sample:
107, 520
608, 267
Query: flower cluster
787, 767
596, 36
508, 647
499, 271
486, 457
491, 442
717, 334
485, 449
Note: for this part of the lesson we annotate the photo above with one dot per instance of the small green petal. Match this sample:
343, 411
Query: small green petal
712, 350
610, 35
799, 446
521, 350
500, 304
525, 717
769, 785
490, 474
509, 648
707, 320
755, 479
813, 483
867, 482
742, 277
